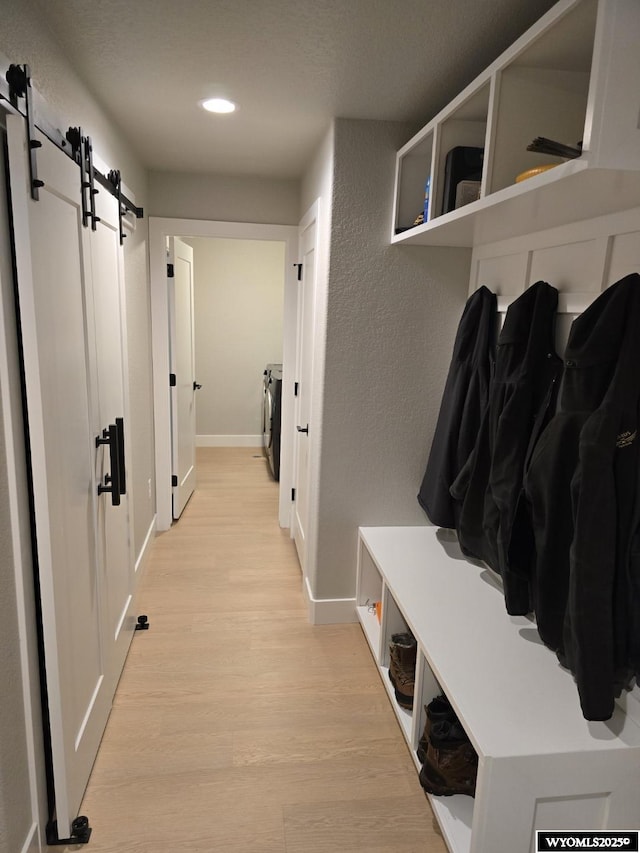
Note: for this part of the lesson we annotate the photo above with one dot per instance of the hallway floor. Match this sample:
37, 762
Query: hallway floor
237, 726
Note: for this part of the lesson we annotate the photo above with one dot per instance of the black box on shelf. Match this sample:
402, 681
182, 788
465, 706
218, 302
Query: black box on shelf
463, 163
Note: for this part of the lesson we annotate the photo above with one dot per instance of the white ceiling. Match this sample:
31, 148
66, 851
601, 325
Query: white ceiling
291, 65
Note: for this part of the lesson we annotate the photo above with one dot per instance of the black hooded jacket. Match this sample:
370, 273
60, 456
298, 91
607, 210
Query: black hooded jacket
521, 401
463, 402
582, 486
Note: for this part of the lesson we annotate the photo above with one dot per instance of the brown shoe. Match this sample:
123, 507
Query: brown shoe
438, 710
402, 667
451, 764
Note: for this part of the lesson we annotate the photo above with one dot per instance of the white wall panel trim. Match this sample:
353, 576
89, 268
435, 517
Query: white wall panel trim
581, 260
228, 441
31, 843
329, 611
143, 556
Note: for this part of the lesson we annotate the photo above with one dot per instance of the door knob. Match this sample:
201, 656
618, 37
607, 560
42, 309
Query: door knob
303, 429
196, 386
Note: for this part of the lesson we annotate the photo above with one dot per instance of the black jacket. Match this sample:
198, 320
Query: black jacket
521, 400
463, 402
582, 486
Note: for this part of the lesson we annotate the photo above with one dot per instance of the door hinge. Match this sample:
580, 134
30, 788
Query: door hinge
293, 494
170, 271
172, 380
296, 388
174, 480
299, 271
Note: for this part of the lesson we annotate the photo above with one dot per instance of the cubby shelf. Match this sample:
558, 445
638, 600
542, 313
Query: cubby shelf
569, 193
541, 764
573, 77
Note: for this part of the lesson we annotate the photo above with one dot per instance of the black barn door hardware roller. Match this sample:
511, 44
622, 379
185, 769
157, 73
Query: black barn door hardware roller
16, 88
80, 833
76, 140
115, 178
82, 153
88, 158
19, 80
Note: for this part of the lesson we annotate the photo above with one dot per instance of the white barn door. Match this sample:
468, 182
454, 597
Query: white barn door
106, 313
70, 316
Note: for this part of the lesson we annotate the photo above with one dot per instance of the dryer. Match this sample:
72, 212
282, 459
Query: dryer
272, 416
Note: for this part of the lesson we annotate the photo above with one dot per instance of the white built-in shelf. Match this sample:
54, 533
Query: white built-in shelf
405, 717
476, 651
455, 818
541, 764
371, 628
573, 77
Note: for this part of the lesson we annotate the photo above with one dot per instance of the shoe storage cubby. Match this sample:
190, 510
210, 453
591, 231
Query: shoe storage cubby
572, 78
541, 765
372, 590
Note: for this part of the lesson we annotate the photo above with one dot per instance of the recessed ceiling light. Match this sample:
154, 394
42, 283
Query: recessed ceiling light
218, 105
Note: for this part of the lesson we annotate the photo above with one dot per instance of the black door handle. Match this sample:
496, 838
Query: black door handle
303, 429
122, 471
196, 386
111, 484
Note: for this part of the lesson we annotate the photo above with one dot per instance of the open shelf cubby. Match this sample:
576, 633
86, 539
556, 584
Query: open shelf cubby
573, 78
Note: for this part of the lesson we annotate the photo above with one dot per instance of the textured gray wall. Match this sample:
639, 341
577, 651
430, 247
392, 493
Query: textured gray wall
222, 198
25, 38
391, 320
15, 796
17, 728
238, 302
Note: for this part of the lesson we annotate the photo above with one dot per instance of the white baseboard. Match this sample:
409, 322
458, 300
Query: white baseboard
329, 611
146, 545
31, 843
228, 441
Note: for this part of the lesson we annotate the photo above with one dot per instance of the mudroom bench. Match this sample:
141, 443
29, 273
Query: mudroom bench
541, 765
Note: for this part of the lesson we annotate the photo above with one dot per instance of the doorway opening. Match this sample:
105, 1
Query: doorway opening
214, 243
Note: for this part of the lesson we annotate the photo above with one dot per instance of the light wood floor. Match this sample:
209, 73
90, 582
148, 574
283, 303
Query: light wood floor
237, 726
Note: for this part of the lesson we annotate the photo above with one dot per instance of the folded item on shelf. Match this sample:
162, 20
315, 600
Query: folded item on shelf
542, 145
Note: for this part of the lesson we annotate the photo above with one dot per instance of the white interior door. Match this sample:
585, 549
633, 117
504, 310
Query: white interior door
53, 271
183, 396
304, 429
114, 523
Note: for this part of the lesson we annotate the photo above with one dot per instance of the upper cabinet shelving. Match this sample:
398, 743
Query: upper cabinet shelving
574, 77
